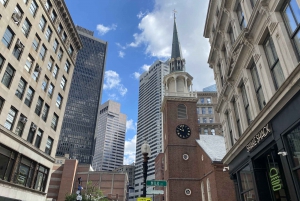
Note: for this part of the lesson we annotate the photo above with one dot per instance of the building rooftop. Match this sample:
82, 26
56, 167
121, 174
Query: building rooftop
213, 145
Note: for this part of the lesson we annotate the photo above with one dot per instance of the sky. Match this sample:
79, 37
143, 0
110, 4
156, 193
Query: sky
138, 33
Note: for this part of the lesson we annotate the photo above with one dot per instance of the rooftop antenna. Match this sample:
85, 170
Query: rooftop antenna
174, 13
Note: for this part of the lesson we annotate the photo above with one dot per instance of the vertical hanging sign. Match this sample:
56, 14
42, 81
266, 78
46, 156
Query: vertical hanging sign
275, 179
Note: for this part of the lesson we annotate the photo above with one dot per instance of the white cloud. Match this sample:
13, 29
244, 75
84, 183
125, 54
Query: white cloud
145, 67
130, 125
112, 81
156, 31
136, 75
120, 46
103, 29
129, 151
121, 54
141, 14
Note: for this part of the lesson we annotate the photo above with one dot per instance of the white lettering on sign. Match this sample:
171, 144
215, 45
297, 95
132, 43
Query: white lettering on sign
263, 133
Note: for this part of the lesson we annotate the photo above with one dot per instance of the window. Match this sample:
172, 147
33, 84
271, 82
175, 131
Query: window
208, 100
292, 21
55, 45
59, 28
70, 50
257, 86
60, 54
229, 128
29, 97
199, 121
26, 27
42, 23
43, 52
28, 63
246, 103
221, 74
59, 100
247, 190
203, 110
7, 158
1, 103
8, 37
55, 71
36, 72
240, 15
21, 125
25, 172
213, 131
8, 75
18, 14
204, 120
198, 110
3, 2
41, 178
211, 120
31, 133
63, 82
64, 37
45, 112
237, 117
202, 100
253, 2
25, 1
67, 66
202, 191
181, 111
39, 106
48, 5
18, 49
1, 61
210, 110
10, 120
33, 7
36, 42
38, 138
50, 90
274, 63
208, 190
50, 64
49, 145
45, 83
53, 16
205, 131
21, 88
231, 35
48, 33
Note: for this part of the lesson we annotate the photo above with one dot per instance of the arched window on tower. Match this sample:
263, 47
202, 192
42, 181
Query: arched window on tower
202, 191
208, 190
181, 111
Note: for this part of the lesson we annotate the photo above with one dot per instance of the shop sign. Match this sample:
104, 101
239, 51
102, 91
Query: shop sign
275, 179
263, 133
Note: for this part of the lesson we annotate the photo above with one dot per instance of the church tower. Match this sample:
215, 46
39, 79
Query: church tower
180, 130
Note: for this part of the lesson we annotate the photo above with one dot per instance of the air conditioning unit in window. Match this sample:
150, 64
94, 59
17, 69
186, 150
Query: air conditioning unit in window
19, 44
23, 120
16, 17
33, 127
37, 68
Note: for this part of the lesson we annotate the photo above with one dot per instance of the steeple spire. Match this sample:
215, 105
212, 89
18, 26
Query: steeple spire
176, 62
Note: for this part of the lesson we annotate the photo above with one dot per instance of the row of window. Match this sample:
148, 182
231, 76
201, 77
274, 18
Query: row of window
204, 110
204, 100
205, 120
207, 131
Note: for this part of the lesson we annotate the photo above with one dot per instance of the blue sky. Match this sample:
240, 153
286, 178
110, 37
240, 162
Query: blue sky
139, 32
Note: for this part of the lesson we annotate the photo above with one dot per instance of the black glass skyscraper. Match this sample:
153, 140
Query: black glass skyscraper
79, 123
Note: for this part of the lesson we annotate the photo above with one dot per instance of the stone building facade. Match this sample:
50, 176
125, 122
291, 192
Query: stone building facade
38, 49
255, 54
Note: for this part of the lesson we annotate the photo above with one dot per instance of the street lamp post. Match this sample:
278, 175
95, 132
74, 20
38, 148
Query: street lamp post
145, 148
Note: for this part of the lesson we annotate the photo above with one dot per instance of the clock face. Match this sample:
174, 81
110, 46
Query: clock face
183, 131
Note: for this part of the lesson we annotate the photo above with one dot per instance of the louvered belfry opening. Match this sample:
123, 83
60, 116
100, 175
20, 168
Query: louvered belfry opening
181, 111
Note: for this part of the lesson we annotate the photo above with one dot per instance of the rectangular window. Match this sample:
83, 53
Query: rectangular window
45, 112
213, 131
231, 35
257, 86
48, 5
208, 100
8, 75
28, 63
241, 17
50, 90
246, 179
41, 178
45, 83
21, 88
25, 1
60, 54
55, 71
18, 14
211, 120
36, 42
229, 129
59, 28
42, 23
21, 125
26, 27
64, 37
274, 63
203, 110
8, 37
59, 100
48, 33
36, 72
7, 158
198, 110
205, 131
237, 117
202, 100
18, 49
63, 83
29, 97
210, 110
246, 103
1, 61
53, 16
67, 66
31, 133
221, 74
38, 138
3, 2
55, 45
1, 103
33, 7
50, 63
25, 172
43, 52
204, 120
10, 120
39, 106
54, 122
70, 50
49, 145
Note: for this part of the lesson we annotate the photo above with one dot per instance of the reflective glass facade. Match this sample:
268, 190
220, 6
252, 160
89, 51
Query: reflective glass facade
79, 123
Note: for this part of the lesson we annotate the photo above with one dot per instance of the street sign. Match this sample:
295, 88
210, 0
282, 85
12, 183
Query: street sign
156, 183
155, 192
144, 199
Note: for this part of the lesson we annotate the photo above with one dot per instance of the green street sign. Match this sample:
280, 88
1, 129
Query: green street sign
156, 183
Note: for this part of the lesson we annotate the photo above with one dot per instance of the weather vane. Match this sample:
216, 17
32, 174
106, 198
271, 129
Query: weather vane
174, 13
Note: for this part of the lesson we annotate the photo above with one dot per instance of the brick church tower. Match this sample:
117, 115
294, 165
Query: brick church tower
180, 130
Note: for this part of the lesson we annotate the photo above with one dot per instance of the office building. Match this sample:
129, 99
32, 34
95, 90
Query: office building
255, 56
149, 125
109, 137
38, 50
79, 124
